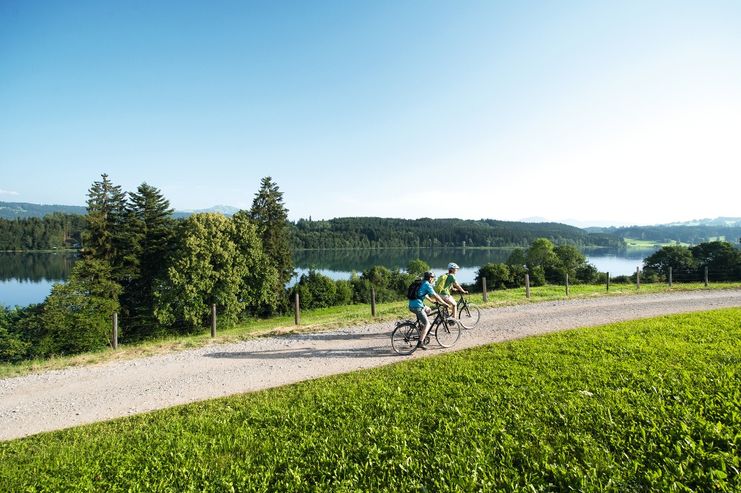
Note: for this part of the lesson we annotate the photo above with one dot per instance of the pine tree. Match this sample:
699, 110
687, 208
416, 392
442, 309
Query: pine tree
150, 231
271, 218
104, 236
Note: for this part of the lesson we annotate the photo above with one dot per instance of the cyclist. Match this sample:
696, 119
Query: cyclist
418, 307
447, 283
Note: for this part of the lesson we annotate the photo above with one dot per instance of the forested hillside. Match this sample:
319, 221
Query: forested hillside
23, 210
63, 231
684, 234
54, 231
375, 232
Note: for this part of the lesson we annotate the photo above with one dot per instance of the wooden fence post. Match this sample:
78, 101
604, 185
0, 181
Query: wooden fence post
670, 276
213, 319
115, 330
567, 284
527, 286
373, 302
297, 310
638, 278
483, 285
608, 281
706, 276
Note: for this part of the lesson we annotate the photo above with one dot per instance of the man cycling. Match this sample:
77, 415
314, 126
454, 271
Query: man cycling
447, 283
418, 307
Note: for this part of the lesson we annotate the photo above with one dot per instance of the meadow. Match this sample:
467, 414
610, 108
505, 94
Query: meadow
648, 405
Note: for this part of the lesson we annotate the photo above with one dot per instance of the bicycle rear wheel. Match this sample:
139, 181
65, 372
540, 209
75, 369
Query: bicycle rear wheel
469, 315
404, 338
447, 332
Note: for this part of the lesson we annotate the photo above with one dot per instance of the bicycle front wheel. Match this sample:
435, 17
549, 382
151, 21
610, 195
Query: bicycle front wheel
404, 338
469, 316
448, 332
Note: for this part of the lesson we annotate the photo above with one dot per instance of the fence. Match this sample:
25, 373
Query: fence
669, 277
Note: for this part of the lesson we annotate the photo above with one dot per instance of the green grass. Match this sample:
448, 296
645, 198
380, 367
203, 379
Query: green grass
338, 316
636, 243
650, 405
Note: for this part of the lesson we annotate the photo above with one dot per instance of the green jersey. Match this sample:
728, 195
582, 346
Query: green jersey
444, 283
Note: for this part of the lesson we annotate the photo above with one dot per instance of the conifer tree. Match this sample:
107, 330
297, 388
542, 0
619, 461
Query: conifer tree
104, 234
150, 231
271, 218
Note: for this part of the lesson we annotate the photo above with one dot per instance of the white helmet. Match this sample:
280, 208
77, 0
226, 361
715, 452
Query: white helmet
453, 265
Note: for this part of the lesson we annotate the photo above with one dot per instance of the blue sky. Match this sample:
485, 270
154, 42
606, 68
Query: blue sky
588, 112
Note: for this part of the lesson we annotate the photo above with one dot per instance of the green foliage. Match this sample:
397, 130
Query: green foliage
77, 314
650, 405
417, 267
498, 276
681, 233
12, 347
55, 231
679, 258
150, 235
271, 218
721, 258
319, 291
517, 257
376, 232
105, 236
217, 261
547, 262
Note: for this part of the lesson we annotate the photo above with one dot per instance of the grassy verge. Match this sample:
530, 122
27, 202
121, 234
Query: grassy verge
327, 318
650, 405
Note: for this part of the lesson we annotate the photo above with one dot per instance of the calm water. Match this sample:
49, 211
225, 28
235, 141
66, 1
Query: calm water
27, 278
340, 264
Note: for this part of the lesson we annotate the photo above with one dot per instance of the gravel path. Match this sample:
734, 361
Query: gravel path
74, 396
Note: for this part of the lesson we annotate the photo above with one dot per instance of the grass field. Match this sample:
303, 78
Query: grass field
338, 316
650, 405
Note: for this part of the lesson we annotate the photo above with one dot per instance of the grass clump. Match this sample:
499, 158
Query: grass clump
650, 405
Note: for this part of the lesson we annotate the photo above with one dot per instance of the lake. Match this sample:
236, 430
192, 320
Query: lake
340, 264
27, 278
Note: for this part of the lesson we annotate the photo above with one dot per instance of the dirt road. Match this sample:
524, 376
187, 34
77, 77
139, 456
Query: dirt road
74, 396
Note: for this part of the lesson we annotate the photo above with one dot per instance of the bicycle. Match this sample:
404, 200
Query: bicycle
405, 336
468, 313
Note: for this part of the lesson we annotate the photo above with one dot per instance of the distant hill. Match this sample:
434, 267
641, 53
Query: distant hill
692, 232
379, 232
730, 222
24, 210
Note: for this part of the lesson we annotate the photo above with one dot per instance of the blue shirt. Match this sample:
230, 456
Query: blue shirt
425, 289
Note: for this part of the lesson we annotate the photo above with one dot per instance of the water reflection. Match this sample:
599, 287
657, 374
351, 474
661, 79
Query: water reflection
360, 260
340, 264
36, 267
27, 278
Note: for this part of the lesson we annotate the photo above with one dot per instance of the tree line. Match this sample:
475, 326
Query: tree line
159, 274
720, 258
684, 234
51, 232
544, 261
376, 232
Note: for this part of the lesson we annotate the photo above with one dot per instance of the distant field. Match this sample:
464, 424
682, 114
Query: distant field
634, 243
650, 405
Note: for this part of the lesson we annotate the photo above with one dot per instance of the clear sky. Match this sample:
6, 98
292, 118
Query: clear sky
596, 112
